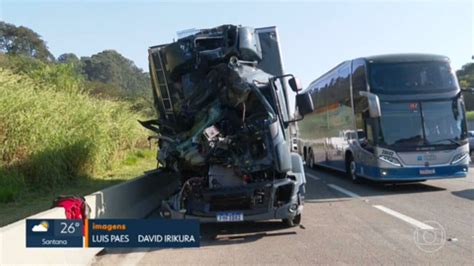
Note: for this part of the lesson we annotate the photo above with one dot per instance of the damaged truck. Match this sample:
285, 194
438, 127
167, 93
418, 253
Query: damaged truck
222, 102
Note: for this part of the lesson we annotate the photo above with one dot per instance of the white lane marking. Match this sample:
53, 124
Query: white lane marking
344, 191
312, 176
403, 217
326, 200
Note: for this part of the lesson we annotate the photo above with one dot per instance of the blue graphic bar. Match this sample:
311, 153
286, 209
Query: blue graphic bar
126, 233
54, 233
111, 233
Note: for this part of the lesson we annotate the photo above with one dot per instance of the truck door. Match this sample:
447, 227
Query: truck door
272, 63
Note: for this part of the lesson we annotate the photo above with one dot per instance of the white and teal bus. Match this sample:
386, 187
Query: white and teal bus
389, 117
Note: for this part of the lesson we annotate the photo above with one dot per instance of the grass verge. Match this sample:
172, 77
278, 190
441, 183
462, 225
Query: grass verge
56, 139
34, 201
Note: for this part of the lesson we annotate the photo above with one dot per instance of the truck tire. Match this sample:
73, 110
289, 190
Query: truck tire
292, 222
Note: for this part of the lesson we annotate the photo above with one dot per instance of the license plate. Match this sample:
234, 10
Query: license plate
230, 217
427, 171
430, 157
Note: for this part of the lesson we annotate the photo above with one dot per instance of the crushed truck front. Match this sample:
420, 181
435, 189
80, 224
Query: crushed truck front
222, 126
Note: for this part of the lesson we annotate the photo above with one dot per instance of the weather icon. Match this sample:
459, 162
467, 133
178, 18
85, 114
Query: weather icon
41, 227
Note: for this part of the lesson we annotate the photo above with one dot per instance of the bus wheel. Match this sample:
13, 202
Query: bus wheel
351, 168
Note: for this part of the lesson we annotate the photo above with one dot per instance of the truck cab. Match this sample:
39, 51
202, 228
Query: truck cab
223, 116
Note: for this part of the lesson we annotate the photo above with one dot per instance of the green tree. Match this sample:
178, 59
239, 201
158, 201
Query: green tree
111, 67
23, 41
107, 74
466, 80
68, 58
72, 59
466, 75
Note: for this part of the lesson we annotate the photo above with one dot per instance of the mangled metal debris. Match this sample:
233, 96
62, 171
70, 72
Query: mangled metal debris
223, 114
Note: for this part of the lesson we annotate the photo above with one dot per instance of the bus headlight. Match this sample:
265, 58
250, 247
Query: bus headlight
459, 158
390, 160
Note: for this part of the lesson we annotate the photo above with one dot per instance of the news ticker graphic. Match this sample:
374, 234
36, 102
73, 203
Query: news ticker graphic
142, 233
112, 233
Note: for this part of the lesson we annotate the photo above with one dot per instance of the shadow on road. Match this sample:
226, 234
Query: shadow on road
467, 194
236, 233
318, 193
111, 251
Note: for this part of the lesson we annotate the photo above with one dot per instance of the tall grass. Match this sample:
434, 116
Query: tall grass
52, 133
63, 77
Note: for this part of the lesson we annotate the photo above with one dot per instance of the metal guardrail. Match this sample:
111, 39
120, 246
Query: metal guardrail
133, 199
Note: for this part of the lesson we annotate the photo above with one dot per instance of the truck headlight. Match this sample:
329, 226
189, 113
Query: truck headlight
390, 160
459, 158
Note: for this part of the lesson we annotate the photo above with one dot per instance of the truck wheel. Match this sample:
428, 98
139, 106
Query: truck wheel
292, 222
351, 167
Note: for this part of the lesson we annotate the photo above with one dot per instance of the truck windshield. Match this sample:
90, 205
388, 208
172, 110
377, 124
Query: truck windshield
422, 124
411, 77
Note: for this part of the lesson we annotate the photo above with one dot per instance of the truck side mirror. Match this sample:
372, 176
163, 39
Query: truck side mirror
295, 84
304, 103
374, 104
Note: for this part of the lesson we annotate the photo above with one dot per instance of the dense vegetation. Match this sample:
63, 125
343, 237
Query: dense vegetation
107, 74
52, 133
466, 80
67, 119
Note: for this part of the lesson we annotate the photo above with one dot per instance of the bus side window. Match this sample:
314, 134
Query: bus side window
369, 130
359, 81
359, 121
360, 126
368, 142
362, 120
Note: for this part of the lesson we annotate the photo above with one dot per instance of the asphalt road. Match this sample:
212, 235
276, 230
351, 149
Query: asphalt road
343, 223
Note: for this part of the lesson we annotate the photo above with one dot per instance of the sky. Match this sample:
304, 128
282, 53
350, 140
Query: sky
315, 35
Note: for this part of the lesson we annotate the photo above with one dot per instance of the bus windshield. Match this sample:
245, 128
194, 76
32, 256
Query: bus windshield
411, 77
431, 123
